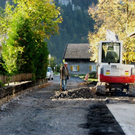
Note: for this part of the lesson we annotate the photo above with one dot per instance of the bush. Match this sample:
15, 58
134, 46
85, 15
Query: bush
93, 74
1, 84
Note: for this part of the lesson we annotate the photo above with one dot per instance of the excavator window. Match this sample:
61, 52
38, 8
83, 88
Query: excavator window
110, 53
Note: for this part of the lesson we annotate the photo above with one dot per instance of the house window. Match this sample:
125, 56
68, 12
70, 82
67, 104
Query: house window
93, 68
74, 68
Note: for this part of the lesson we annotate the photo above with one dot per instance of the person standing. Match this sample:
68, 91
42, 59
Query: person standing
64, 75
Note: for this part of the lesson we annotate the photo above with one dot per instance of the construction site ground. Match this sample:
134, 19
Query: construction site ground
77, 111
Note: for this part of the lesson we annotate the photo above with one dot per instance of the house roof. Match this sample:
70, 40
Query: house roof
77, 51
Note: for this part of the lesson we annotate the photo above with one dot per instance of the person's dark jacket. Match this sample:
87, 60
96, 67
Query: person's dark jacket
64, 73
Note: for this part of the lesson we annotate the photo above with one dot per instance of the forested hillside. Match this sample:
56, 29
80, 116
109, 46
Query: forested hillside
2, 3
74, 28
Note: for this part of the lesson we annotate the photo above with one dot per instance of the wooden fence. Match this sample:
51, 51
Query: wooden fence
15, 78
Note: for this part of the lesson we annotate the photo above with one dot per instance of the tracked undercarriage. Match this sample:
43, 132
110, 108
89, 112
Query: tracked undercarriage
111, 88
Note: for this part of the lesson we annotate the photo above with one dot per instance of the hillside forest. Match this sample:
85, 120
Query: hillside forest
74, 28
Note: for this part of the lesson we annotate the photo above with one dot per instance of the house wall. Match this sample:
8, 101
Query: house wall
82, 67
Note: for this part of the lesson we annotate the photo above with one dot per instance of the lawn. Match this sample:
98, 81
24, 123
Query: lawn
83, 77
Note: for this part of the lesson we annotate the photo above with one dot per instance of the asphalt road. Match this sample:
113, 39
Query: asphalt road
38, 113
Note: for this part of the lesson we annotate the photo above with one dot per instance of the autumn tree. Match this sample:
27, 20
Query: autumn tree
117, 16
27, 26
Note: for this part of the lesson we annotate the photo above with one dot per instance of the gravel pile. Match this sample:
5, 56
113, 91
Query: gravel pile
76, 93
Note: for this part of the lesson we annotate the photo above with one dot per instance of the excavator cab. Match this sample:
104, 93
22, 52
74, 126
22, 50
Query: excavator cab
110, 52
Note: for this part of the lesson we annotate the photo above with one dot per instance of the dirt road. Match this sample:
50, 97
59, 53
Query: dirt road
39, 113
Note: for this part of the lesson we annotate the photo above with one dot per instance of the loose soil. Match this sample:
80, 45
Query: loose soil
76, 93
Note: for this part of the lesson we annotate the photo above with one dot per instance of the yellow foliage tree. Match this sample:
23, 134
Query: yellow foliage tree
26, 25
117, 16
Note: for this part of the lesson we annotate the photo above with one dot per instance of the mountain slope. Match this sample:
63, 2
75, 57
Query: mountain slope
74, 28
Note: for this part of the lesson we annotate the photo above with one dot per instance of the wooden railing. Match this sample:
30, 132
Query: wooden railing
15, 78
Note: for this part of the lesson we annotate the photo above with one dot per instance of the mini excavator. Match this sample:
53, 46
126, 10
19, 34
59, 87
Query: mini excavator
112, 74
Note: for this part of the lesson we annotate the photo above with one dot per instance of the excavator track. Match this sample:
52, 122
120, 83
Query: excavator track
132, 89
103, 88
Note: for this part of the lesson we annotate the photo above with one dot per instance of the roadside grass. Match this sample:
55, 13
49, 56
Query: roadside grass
92, 79
83, 78
56, 73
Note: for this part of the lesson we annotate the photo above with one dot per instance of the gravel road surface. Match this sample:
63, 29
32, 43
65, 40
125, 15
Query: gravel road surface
40, 113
